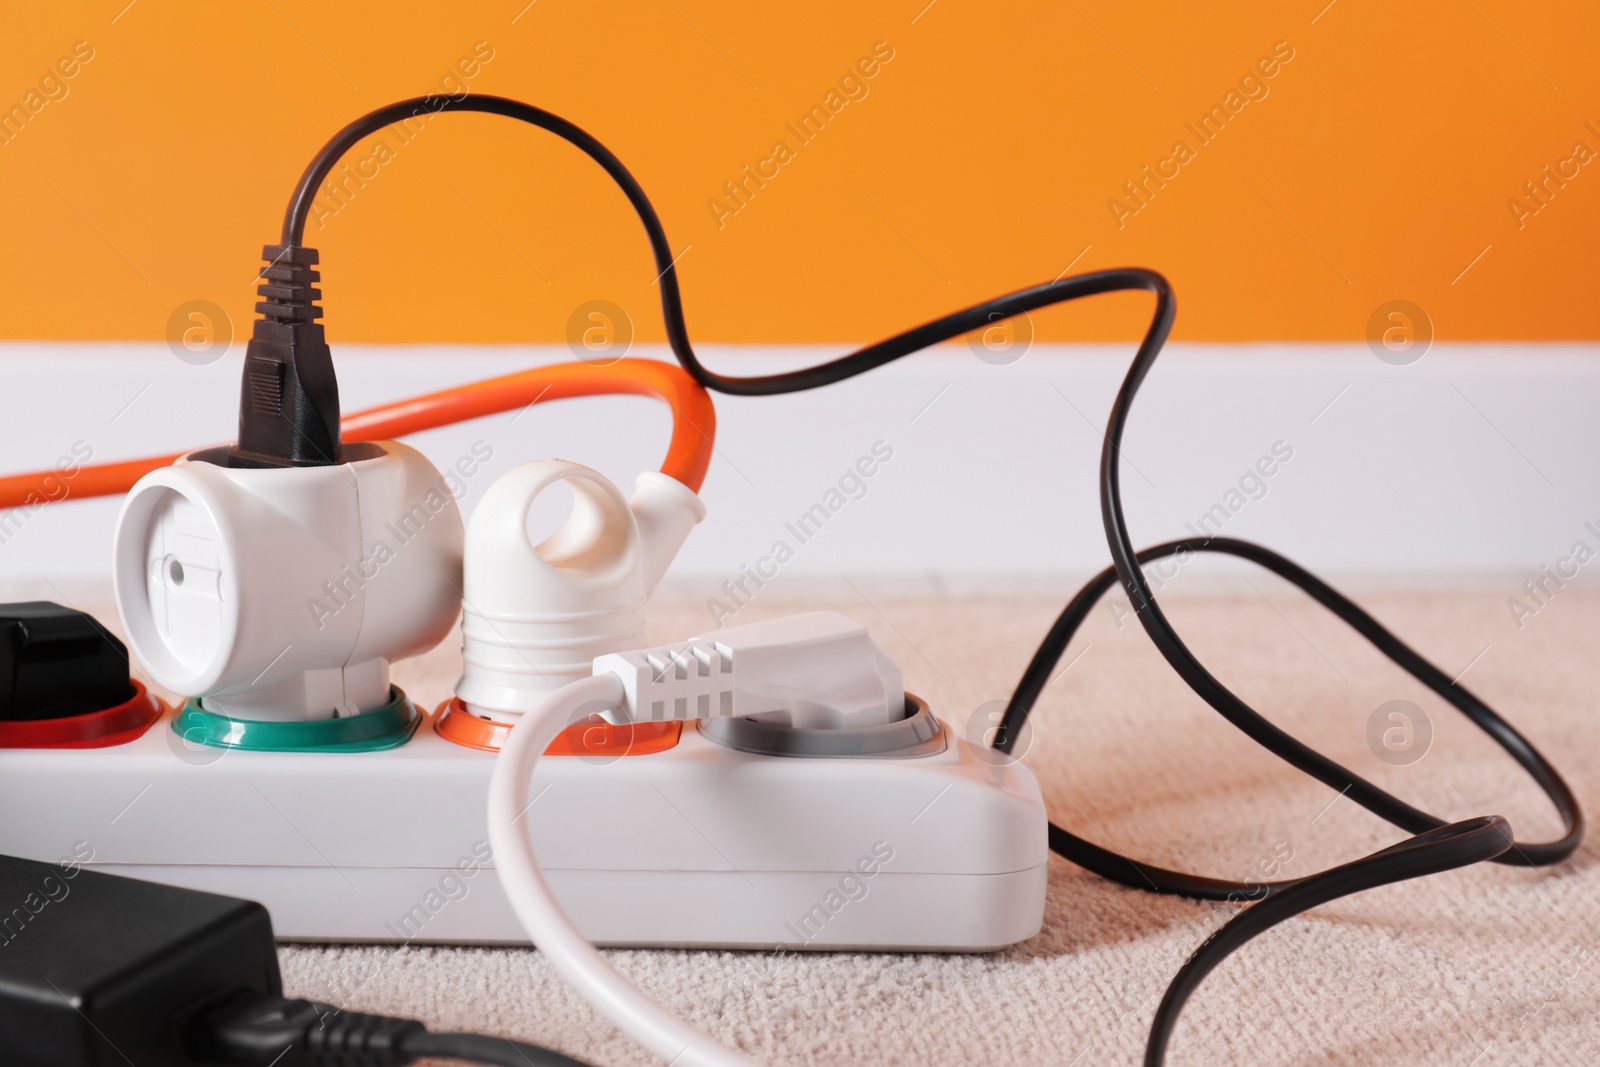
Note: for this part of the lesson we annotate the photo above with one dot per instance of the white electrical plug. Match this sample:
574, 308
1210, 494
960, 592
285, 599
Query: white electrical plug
536, 616
284, 593
817, 670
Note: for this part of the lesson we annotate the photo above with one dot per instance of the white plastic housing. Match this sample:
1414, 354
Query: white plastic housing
536, 616
284, 593
699, 845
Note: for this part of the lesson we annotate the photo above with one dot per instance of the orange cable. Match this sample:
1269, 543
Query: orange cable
694, 424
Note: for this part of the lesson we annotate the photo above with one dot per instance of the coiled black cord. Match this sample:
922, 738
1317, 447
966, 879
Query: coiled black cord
1147, 876
1438, 846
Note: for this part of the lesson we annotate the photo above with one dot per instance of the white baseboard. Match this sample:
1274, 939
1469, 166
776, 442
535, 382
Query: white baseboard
1480, 460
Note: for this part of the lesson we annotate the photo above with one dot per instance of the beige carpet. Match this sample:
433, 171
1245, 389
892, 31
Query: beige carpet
1484, 967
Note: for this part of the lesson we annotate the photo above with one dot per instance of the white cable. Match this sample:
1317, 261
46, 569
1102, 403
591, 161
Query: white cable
817, 668
597, 981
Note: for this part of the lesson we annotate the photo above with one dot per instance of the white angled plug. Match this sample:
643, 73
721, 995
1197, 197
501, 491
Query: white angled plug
819, 669
815, 670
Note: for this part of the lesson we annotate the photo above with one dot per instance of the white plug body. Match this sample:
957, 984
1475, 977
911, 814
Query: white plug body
284, 593
816, 670
536, 616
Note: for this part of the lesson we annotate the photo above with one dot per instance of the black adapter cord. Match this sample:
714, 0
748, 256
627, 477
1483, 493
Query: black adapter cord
266, 1031
1437, 847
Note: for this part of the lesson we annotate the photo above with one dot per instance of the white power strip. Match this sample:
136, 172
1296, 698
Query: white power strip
699, 845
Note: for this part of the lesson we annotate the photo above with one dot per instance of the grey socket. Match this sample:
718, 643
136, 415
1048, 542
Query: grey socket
918, 734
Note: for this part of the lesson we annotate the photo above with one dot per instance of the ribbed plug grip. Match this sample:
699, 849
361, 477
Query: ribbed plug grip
289, 398
270, 1031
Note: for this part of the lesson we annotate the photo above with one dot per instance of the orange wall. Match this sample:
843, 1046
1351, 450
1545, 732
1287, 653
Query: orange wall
983, 157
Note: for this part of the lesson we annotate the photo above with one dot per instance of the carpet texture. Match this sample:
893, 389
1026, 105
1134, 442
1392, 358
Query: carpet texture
1486, 966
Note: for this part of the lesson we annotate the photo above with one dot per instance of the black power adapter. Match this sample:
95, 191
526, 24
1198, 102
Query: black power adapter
97, 970
100, 971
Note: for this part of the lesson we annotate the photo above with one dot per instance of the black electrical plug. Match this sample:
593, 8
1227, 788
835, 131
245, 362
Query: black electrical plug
97, 970
289, 399
56, 662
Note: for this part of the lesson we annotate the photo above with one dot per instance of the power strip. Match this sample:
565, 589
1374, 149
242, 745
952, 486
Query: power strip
698, 845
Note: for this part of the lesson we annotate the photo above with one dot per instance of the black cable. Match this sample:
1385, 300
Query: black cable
1443, 849
1146, 876
1438, 846
886, 351
257, 1030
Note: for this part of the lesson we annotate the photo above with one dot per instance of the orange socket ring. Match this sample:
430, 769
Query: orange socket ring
595, 740
694, 424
